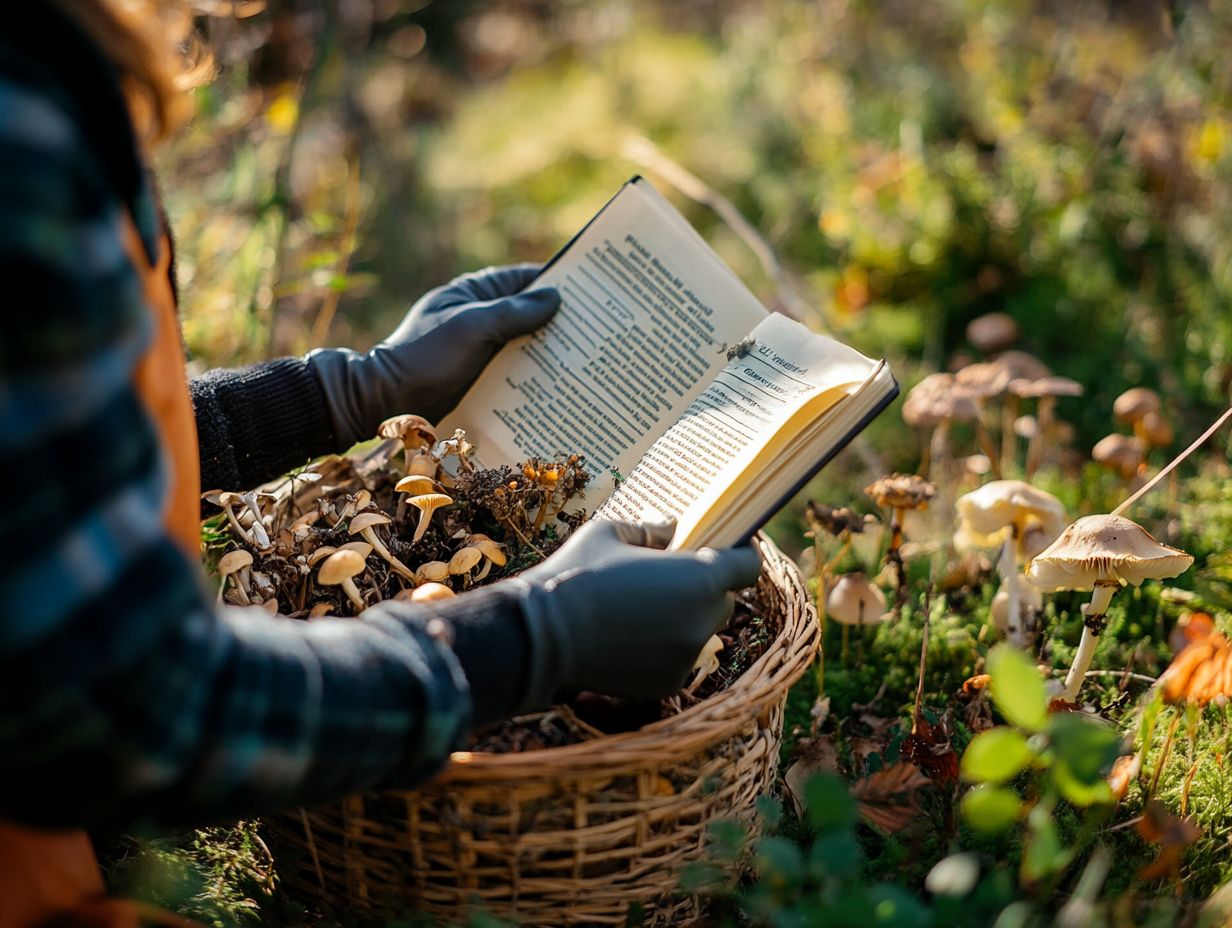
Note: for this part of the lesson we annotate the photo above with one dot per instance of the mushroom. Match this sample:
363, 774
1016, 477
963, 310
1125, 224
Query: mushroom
427, 503
934, 403
1120, 453
342, 567
429, 592
415, 433
415, 485
228, 502
362, 548
432, 572
320, 554
260, 537
855, 601
992, 332
1046, 390
1101, 553
365, 524
493, 553
1019, 629
464, 561
1156, 431
900, 492
1007, 513
231, 563
1132, 406
707, 662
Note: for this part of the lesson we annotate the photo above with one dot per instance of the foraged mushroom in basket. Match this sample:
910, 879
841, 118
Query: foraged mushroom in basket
232, 563
427, 504
340, 569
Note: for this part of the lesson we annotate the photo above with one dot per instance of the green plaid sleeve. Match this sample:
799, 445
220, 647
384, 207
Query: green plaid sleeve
126, 696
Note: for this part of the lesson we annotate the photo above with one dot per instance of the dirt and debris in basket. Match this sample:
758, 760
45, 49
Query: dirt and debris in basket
420, 516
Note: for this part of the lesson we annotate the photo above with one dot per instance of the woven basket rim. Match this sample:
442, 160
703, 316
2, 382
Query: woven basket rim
681, 735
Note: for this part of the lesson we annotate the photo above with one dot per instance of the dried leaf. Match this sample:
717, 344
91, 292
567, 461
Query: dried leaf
1124, 770
1159, 826
887, 799
1202, 669
816, 756
928, 747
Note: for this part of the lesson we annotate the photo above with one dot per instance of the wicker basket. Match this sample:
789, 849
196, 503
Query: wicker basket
573, 835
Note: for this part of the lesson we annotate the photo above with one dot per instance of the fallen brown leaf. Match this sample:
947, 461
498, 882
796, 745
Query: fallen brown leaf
928, 747
818, 755
1159, 826
887, 798
1202, 669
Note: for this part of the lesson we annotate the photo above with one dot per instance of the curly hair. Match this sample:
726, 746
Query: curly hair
156, 51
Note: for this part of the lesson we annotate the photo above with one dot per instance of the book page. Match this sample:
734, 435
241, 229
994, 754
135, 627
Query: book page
647, 315
783, 384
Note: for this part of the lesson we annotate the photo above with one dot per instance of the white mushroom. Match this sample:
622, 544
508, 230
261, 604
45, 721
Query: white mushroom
232, 563
1101, 553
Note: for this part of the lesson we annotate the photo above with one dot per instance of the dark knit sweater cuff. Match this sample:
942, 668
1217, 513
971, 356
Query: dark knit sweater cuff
492, 645
258, 422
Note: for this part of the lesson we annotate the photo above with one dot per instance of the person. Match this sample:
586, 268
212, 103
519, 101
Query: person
127, 698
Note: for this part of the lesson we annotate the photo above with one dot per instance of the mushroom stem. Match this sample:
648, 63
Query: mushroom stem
1092, 625
1009, 440
352, 592
259, 536
987, 446
1043, 433
894, 556
235, 523
369, 535
1009, 572
939, 448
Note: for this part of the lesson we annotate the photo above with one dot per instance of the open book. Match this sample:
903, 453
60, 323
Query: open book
685, 397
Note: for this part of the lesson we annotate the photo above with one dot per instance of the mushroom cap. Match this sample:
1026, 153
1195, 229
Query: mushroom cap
984, 378
429, 502
465, 560
1022, 366
1105, 548
1122, 453
1135, 403
1045, 386
936, 399
488, 548
1026, 426
432, 571
413, 431
232, 561
362, 548
427, 592
987, 513
850, 593
362, 500
228, 499
367, 520
339, 566
1156, 430
415, 485
992, 332
320, 554
901, 491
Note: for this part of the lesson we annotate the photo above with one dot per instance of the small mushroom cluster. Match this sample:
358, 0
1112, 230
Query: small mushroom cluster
1126, 455
416, 519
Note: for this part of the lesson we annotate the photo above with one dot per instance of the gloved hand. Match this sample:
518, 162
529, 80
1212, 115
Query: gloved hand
435, 354
609, 613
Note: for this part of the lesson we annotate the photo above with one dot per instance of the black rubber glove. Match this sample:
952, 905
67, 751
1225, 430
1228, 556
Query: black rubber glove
435, 354
609, 613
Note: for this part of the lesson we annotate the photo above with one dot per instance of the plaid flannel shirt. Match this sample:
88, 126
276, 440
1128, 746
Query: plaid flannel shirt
126, 696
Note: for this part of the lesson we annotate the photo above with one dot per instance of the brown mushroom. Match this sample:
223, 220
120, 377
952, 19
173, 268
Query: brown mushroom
232, 563
1046, 390
427, 504
464, 561
1120, 453
992, 332
340, 569
493, 553
432, 572
933, 404
1133, 405
430, 592
898, 493
415, 433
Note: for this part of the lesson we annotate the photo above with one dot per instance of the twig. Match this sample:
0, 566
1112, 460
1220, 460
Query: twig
1150, 484
643, 151
919, 689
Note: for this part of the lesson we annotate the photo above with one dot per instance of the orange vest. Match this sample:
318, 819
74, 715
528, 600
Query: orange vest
52, 878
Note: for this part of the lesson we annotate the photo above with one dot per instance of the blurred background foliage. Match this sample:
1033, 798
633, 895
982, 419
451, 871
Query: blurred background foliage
914, 164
